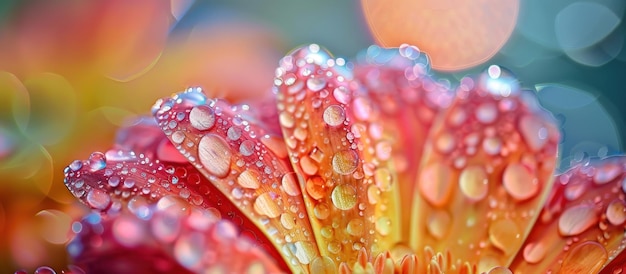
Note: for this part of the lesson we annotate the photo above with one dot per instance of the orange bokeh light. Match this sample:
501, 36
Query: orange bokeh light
456, 34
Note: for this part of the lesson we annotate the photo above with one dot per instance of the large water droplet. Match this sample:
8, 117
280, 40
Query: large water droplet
586, 257
344, 197
345, 162
334, 115
97, 161
305, 252
505, 235
519, 182
435, 184
576, 220
286, 120
265, 204
249, 179
616, 212
290, 184
535, 252
315, 187
473, 183
321, 211
315, 84
202, 117
98, 199
215, 155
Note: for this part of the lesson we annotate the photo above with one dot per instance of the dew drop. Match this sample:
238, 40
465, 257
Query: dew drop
355, 227
435, 184
576, 220
321, 211
586, 257
535, 252
616, 212
345, 162
505, 235
265, 204
519, 182
322, 264
383, 179
473, 183
342, 95
445, 143
215, 155
114, 181
308, 166
373, 194
531, 127
287, 220
492, 145
290, 184
344, 197
334, 115
76, 165
305, 252
315, 84
98, 199
246, 148
129, 183
202, 117
189, 249
606, 173
315, 187
383, 225
286, 120
439, 223
249, 179
486, 113
97, 161
178, 137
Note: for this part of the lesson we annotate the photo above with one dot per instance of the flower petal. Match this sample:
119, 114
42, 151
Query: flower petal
581, 227
176, 237
332, 129
409, 100
246, 163
486, 170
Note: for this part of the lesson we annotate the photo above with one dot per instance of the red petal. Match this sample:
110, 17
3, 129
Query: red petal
175, 237
246, 164
581, 227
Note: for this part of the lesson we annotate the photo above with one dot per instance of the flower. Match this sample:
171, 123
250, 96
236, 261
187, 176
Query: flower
370, 166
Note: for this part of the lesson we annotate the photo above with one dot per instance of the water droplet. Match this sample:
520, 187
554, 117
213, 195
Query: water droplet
505, 235
246, 148
586, 257
344, 197
334, 115
265, 204
287, 220
114, 181
616, 212
435, 184
322, 264
202, 117
383, 179
362, 108
215, 155
531, 127
576, 220
286, 120
321, 211
574, 189
97, 161
308, 166
486, 113
249, 179
129, 183
519, 182
445, 142
315, 84
290, 184
606, 173
355, 227
98, 199
492, 145
315, 187
535, 252
178, 137
233, 133
473, 183
43, 270
189, 249
305, 252
342, 94
439, 223
500, 270
345, 162
76, 165
383, 225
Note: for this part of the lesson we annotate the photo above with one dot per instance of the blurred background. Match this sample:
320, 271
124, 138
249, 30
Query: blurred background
71, 72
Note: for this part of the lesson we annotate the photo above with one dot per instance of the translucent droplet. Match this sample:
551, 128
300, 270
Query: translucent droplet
202, 117
114, 181
215, 155
315, 187
344, 197
321, 211
315, 84
290, 184
519, 182
286, 120
98, 199
531, 128
178, 137
287, 220
505, 235
486, 113
383, 179
97, 161
383, 226
249, 179
345, 162
355, 227
535, 252
616, 212
473, 183
76, 165
606, 173
492, 145
246, 148
189, 249
435, 184
322, 264
439, 223
342, 95
445, 143
233, 133
576, 220
265, 204
305, 252
334, 115
586, 257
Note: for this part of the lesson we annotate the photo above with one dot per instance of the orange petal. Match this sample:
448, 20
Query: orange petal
581, 227
486, 170
248, 166
332, 130
397, 81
